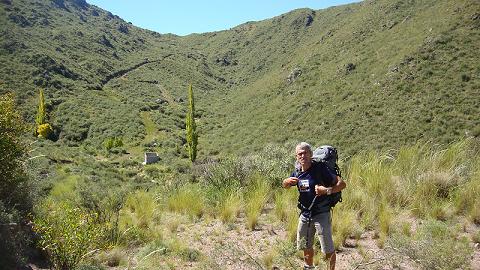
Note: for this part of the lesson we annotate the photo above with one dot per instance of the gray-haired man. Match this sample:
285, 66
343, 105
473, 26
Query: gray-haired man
314, 182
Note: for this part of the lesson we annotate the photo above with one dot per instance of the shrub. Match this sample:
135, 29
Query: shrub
106, 203
190, 254
12, 149
16, 189
434, 246
44, 131
149, 254
67, 233
114, 257
152, 171
112, 142
273, 163
228, 173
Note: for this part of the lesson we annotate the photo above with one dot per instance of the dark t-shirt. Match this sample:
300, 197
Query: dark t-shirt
317, 174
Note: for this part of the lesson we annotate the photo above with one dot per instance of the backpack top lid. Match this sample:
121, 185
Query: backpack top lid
325, 153
328, 155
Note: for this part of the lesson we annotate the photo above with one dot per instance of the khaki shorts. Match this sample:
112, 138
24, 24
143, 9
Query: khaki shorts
320, 223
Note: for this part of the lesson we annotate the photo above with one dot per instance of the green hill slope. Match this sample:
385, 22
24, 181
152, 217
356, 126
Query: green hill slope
373, 75
376, 74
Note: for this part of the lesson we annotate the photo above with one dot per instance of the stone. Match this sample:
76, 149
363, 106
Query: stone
296, 72
349, 68
123, 28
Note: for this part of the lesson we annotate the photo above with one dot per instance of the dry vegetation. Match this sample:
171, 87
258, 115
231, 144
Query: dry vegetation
411, 207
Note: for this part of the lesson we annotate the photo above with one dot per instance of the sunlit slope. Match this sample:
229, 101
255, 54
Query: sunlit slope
374, 74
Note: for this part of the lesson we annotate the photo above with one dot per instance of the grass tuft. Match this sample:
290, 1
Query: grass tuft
257, 197
189, 200
231, 206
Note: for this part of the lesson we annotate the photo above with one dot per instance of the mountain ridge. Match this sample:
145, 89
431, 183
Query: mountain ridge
349, 66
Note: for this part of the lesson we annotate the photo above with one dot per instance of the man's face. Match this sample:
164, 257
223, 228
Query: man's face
303, 156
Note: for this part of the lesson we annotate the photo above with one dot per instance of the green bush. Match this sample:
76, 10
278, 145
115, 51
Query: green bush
17, 189
67, 233
12, 148
112, 142
44, 131
273, 163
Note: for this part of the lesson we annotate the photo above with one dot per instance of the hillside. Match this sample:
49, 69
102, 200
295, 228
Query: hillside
376, 74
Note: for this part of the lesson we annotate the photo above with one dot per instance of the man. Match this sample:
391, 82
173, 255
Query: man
315, 182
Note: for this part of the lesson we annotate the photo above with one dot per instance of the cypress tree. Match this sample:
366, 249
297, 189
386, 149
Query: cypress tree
40, 120
190, 127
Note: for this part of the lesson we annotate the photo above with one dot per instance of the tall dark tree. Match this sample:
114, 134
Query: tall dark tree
191, 127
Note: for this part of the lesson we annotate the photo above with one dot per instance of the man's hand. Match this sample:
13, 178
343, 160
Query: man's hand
320, 190
291, 181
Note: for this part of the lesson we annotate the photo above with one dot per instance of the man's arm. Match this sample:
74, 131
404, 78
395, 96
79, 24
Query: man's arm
337, 187
289, 182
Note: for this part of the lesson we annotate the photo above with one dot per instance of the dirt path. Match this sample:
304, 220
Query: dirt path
122, 72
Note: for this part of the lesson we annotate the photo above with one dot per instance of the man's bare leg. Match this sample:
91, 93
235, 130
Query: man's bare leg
308, 256
331, 259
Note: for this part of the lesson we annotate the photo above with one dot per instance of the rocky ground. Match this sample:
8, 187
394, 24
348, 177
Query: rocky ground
235, 247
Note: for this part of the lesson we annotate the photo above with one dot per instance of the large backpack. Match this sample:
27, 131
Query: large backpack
329, 156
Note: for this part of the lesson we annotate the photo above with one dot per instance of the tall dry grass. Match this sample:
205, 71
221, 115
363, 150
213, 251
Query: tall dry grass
422, 178
137, 218
189, 200
256, 198
230, 207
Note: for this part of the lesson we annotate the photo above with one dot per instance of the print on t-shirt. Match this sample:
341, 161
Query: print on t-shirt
304, 185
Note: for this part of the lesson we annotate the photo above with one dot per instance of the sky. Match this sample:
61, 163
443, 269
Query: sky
183, 17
